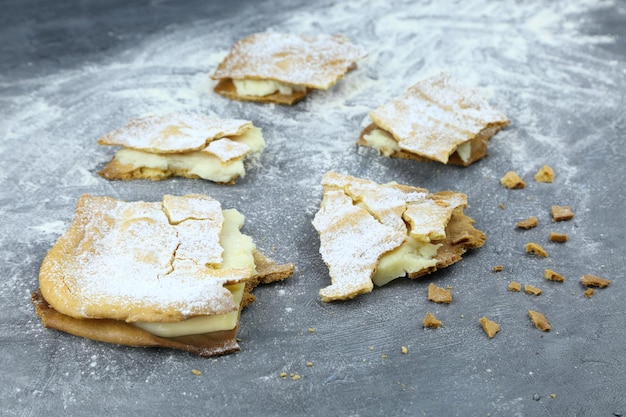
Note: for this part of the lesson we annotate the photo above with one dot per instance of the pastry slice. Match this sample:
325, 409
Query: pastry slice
371, 234
283, 68
174, 274
186, 145
437, 119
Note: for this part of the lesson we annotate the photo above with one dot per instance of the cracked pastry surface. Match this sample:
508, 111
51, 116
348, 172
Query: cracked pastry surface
182, 144
437, 119
371, 234
283, 67
145, 270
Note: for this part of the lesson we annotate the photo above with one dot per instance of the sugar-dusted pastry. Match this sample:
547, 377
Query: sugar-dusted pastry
173, 273
184, 144
283, 67
374, 233
437, 119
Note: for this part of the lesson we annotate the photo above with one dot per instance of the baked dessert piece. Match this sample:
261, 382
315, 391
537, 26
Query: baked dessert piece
283, 67
490, 327
186, 145
374, 233
169, 274
437, 119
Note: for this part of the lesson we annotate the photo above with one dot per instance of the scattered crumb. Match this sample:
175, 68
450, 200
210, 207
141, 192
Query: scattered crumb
558, 237
529, 289
431, 321
309, 364
593, 281
515, 286
561, 213
529, 223
502, 206
490, 327
552, 395
295, 377
550, 275
545, 174
404, 350
497, 268
536, 249
512, 180
196, 372
371, 348
589, 292
384, 356
438, 294
311, 330
283, 375
539, 320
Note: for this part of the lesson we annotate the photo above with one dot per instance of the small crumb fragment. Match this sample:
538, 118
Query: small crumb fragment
431, 321
502, 206
539, 320
371, 348
558, 237
550, 275
295, 377
283, 375
384, 356
404, 350
594, 281
561, 213
529, 289
497, 268
309, 364
438, 294
490, 327
515, 286
545, 174
552, 395
529, 223
536, 249
311, 330
196, 372
512, 181
589, 292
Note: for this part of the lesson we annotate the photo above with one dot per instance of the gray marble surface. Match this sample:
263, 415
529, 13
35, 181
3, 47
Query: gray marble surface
70, 71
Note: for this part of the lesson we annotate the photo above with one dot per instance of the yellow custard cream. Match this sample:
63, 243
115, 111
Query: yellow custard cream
248, 87
411, 256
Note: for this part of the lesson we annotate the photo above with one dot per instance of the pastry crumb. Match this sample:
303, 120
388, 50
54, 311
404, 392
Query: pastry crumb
529, 223
497, 268
502, 206
490, 327
594, 281
311, 330
283, 375
431, 321
539, 320
512, 181
295, 377
558, 237
589, 292
196, 372
550, 275
545, 174
404, 350
515, 286
562, 213
536, 249
438, 294
309, 364
529, 289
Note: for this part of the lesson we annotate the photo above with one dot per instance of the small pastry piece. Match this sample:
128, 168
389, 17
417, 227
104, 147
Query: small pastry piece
490, 327
438, 294
374, 233
539, 320
431, 321
529, 289
170, 274
536, 249
437, 119
589, 292
529, 223
550, 275
545, 174
561, 213
283, 68
594, 281
558, 237
515, 286
512, 181
497, 268
186, 145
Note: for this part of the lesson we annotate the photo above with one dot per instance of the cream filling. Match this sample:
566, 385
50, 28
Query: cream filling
411, 256
247, 87
382, 141
238, 253
202, 164
464, 150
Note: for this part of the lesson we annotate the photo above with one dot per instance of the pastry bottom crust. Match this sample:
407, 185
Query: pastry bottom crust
114, 170
226, 87
478, 147
123, 333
